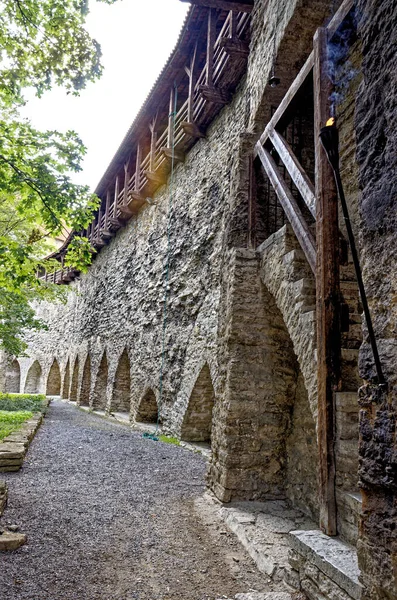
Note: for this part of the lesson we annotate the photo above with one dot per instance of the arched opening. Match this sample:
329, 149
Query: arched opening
147, 410
75, 381
33, 379
197, 422
53, 387
86, 383
66, 381
99, 397
122, 386
13, 377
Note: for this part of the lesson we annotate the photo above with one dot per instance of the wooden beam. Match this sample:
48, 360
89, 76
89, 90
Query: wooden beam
339, 17
289, 96
238, 5
295, 169
153, 141
211, 39
138, 166
191, 72
126, 180
290, 206
327, 290
116, 195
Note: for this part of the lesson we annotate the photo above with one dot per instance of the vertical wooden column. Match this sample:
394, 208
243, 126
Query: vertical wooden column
107, 208
233, 25
192, 83
211, 38
116, 195
153, 142
98, 233
327, 289
170, 136
138, 166
126, 180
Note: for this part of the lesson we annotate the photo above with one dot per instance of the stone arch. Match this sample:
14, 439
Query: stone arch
74, 386
84, 399
66, 381
33, 379
53, 387
13, 377
121, 397
101, 381
147, 409
197, 421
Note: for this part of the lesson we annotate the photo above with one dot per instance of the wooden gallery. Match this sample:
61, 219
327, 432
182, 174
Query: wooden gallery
244, 283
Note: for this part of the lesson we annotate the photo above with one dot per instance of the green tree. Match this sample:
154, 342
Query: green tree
43, 43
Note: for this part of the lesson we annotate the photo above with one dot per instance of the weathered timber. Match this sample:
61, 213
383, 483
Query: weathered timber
214, 94
295, 169
138, 166
171, 116
238, 5
192, 129
192, 83
211, 38
339, 17
126, 180
116, 196
290, 206
235, 47
172, 154
327, 290
289, 96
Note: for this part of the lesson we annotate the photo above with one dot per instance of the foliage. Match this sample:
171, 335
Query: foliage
18, 402
42, 43
169, 440
11, 421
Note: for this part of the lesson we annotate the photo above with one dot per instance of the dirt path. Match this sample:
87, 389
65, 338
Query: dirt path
110, 515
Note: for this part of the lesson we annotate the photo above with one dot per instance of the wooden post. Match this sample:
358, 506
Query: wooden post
107, 210
153, 142
211, 38
233, 25
138, 166
327, 289
192, 83
126, 180
98, 233
116, 195
170, 136
92, 232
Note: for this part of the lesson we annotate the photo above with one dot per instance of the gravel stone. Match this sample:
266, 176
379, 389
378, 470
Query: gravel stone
110, 515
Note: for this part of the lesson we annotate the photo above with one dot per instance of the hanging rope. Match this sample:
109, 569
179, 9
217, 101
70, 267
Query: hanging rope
153, 436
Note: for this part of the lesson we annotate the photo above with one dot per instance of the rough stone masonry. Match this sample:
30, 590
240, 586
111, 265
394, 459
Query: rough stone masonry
239, 370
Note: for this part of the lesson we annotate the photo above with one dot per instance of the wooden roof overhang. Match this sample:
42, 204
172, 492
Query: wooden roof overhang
198, 79
240, 5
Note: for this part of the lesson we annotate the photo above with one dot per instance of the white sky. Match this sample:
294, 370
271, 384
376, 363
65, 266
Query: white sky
136, 39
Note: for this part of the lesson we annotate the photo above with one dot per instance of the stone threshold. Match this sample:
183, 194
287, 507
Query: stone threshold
14, 447
288, 548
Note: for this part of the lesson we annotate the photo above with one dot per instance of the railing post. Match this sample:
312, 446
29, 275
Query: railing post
192, 83
116, 195
153, 142
138, 166
126, 180
170, 137
107, 208
211, 38
327, 289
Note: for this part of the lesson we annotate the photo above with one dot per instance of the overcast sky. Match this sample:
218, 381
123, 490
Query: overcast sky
136, 40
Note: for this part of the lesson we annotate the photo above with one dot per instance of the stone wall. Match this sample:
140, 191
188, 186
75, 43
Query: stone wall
376, 126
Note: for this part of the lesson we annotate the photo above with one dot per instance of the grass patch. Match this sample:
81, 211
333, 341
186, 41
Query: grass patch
169, 440
11, 421
22, 402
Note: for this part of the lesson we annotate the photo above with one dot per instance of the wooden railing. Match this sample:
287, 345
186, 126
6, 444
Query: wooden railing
208, 91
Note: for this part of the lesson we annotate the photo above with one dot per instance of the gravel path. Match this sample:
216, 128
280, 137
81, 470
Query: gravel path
111, 515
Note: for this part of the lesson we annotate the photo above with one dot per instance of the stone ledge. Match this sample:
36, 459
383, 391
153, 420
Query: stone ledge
14, 447
334, 558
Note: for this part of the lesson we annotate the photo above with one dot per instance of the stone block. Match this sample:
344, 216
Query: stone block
11, 541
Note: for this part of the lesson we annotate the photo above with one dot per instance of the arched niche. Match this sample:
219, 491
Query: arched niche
147, 410
100, 387
13, 377
53, 387
33, 379
84, 399
197, 422
121, 397
75, 381
66, 381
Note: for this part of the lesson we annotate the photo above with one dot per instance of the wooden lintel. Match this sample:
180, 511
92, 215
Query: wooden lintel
214, 94
295, 169
234, 47
290, 206
327, 290
192, 129
237, 5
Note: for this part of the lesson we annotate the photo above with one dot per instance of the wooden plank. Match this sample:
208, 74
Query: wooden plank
290, 206
138, 166
211, 38
238, 5
289, 96
327, 290
339, 17
295, 169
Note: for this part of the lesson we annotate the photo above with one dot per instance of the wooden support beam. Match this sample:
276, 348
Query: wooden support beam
192, 129
290, 206
116, 196
172, 154
171, 116
214, 94
295, 169
153, 142
327, 290
126, 180
211, 39
339, 17
234, 47
238, 5
192, 84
